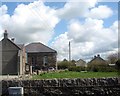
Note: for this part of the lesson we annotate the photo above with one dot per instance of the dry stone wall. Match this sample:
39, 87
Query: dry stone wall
64, 87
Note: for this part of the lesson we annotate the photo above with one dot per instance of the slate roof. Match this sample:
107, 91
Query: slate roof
38, 47
97, 58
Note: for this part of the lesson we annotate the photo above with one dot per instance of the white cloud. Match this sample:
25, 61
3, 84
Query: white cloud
32, 22
78, 31
3, 9
75, 9
100, 12
36, 22
84, 8
87, 39
3, 18
61, 45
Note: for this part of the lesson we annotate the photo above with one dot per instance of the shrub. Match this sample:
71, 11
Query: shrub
118, 66
101, 68
76, 68
65, 64
111, 69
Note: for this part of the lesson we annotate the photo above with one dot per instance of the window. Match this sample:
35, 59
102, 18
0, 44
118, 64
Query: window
45, 60
34, 61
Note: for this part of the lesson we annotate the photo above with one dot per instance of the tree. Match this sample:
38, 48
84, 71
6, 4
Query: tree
72, 63
112, 58
65, 60
118, 65
65, 64
97, 66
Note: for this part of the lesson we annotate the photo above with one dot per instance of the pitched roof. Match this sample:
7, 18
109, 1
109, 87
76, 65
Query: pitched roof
80, 60
38, 47
19, 46
10, 42
97, 58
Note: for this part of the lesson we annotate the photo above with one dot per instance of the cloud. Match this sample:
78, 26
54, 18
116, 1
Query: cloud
75, 9
87, 39
78, 31
100, 12
3, 9
3, 18
30, 22
84, 8
61, 45
36, 22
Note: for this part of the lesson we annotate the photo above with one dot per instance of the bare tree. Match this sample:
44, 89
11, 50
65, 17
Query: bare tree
112, 58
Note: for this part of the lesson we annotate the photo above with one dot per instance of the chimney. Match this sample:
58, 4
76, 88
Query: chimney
98, 55
95, 56
13, 39
5, 34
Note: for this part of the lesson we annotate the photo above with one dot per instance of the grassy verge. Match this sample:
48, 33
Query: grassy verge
70, 74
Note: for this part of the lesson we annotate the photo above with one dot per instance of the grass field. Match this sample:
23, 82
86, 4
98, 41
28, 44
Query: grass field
70, 74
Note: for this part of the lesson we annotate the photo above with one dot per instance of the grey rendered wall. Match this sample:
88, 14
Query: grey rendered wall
9, 58
9, 63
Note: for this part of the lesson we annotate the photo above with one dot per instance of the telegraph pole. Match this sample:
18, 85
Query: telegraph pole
69, 51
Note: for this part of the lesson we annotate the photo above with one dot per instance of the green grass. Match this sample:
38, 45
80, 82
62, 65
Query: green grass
70, 74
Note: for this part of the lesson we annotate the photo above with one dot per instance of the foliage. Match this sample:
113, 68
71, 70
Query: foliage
112, 58
65, 64
101, 69
118, 66
76, 68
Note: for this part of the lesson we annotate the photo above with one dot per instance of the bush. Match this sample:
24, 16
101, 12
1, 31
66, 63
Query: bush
118, 66
65, 64
76, 68
111, 69
101, 68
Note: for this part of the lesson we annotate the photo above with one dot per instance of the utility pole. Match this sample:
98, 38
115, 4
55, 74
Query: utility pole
69, 51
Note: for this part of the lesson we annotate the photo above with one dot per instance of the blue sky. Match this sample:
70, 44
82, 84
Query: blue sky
57, 23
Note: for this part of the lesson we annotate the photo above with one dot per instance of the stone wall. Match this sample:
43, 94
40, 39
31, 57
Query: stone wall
64, 87
51, 59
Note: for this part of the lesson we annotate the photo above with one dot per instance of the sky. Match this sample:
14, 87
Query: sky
91, 26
